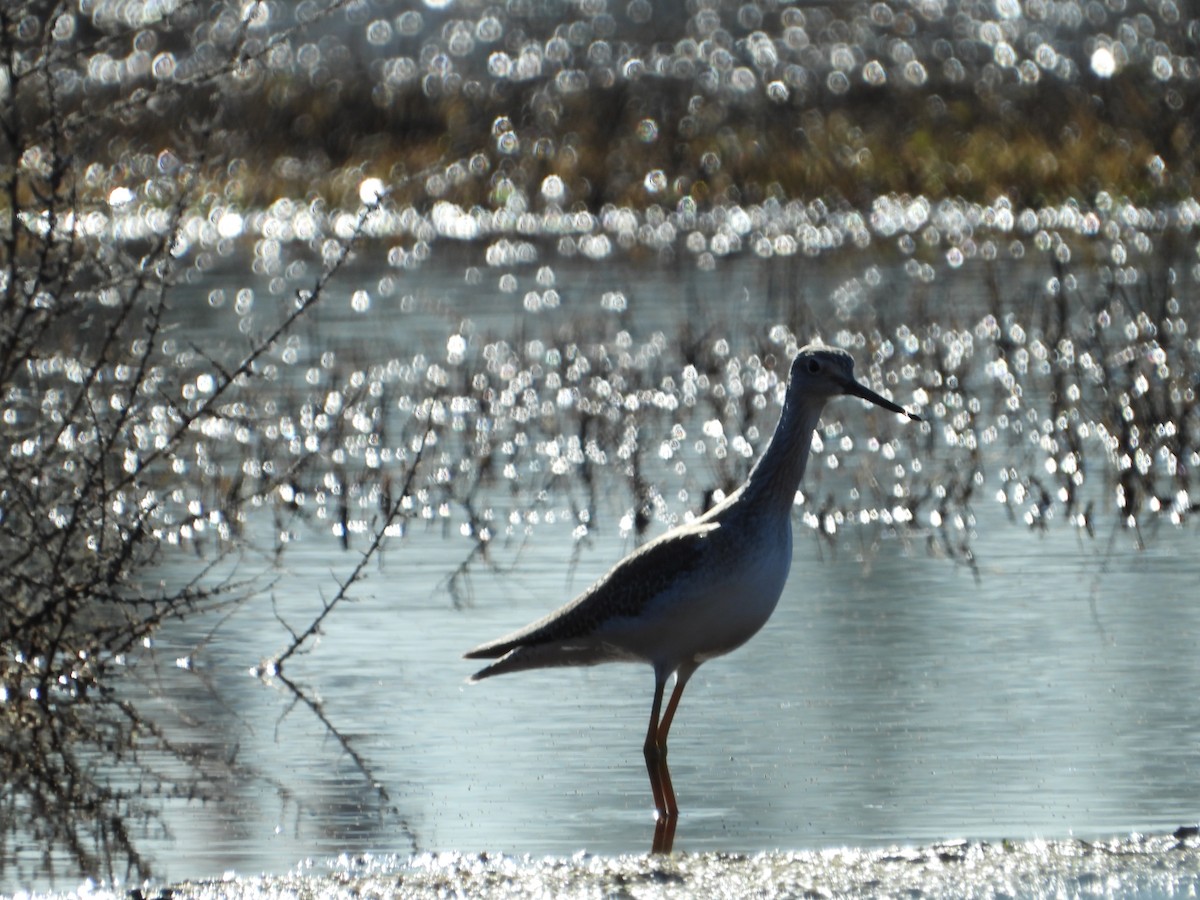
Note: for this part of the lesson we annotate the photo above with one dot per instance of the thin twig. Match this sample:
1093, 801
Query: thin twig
276, 664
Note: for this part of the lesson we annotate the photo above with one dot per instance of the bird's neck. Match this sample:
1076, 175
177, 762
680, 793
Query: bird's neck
776, 476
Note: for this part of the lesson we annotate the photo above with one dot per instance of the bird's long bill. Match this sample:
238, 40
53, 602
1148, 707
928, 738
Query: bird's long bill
861, 390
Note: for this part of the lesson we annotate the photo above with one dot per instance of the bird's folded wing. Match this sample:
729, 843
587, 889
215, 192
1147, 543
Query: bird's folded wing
623, 592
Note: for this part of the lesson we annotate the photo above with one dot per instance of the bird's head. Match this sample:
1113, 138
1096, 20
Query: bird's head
821, 372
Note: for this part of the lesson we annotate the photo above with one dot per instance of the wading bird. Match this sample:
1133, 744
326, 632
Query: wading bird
700, 590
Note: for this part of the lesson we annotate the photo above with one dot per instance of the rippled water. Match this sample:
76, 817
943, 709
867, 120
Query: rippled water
897, 701
1144, 867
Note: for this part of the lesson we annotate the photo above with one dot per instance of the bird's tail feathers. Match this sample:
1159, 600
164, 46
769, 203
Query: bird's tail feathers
537, 656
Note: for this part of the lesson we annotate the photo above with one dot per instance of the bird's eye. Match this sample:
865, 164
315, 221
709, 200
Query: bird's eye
814, 366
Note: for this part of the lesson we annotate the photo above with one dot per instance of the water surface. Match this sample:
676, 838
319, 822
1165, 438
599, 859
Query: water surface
904, 703
1042, 686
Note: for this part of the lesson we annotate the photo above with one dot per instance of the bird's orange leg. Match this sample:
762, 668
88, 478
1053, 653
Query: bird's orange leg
656, 742
655, 757
664, 726
666, 808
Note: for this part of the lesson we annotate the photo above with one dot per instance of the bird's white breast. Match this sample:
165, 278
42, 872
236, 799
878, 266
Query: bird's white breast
738, 600
716, 607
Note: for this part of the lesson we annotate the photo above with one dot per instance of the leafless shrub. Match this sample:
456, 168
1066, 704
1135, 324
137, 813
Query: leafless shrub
116, 426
